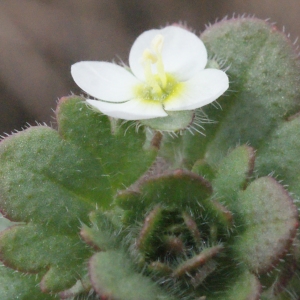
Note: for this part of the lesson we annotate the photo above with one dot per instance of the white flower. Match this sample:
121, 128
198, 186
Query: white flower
167, 73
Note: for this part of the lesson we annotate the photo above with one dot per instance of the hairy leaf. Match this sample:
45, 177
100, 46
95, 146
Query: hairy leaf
51, 181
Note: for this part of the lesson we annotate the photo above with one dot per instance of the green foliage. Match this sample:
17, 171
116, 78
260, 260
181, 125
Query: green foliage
233, 174
264, 86
112, 275
110, 145
50, 182
280, 154
15, 285
50, 204
190, 237
267, 226
264, 91
246, 287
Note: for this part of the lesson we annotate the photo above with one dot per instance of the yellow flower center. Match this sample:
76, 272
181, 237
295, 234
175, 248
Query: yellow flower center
160, 85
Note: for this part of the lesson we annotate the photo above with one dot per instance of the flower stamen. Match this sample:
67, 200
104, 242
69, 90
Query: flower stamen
153, 56
148, 59
157, 44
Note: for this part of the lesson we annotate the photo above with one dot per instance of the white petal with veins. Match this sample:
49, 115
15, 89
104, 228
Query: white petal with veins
131, 110
103, 80
202, 89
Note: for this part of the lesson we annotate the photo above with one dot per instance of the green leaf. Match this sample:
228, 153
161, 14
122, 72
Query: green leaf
264, 84
233, 284
268, 222
246, 287
178, 189
41, 187
51, 181
202, 168
103, 234
119, 149
113, 275
41, 176
281, 155
15, 285
61, 257
283, 281
233, 173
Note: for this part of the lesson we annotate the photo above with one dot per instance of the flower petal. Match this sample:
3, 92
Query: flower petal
134, 109
103, 80
200, 90
183, 53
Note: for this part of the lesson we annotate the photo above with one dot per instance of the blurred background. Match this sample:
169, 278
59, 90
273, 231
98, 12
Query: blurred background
40, 39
